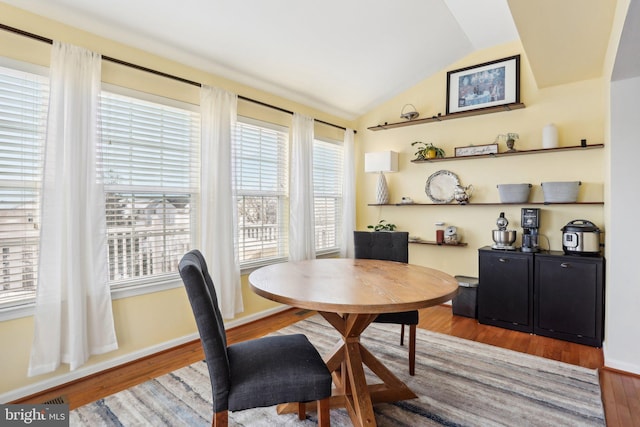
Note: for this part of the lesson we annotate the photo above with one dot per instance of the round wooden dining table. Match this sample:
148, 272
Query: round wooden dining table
349, 294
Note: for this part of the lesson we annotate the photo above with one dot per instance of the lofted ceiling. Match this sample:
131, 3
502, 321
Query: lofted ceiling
345, 57
565, 41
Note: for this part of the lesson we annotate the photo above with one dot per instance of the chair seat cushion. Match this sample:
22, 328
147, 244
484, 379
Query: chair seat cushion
279, 369
404, 317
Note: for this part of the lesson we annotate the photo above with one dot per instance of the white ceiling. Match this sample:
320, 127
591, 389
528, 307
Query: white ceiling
341, 57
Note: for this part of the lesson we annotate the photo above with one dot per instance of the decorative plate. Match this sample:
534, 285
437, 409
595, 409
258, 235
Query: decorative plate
441, 186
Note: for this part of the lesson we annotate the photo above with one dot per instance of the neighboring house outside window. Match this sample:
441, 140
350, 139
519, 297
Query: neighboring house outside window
24, 97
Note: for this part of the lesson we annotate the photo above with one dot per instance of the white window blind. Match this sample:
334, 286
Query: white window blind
260, 163
149, 155
327, 193
23, 113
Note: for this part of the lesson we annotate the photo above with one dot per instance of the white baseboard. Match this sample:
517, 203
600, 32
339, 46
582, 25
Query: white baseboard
121, 360
609, 362
622, 366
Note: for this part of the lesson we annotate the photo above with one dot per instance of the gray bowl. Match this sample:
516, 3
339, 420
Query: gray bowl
561, 191
514, 193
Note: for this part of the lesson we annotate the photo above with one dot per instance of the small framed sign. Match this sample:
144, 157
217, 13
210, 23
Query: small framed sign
484, 85
476, 150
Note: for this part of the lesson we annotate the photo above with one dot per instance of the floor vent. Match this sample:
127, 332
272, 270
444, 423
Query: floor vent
60, 400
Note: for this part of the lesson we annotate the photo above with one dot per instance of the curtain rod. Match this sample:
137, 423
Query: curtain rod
158, 73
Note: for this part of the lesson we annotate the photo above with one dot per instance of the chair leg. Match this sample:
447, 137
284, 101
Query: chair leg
302, 411
412, 349
323, 412
220, 419
402, 334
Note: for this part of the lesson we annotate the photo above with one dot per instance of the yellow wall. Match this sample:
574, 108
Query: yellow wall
150, 320
579, 111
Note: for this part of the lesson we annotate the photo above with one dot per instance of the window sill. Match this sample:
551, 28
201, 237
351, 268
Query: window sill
131, 290
146, 287
18, 311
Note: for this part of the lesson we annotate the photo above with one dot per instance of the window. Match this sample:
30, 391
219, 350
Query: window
327, 193
149, 156
23, 114
260, 162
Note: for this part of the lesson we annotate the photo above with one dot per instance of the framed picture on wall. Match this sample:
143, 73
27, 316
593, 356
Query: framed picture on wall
484, 85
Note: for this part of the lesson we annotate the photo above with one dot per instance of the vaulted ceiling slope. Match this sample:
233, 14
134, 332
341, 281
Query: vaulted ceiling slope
346, 57
565, 41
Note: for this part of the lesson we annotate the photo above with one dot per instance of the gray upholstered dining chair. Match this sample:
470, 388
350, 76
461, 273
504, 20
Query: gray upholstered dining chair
255, 373
390, 246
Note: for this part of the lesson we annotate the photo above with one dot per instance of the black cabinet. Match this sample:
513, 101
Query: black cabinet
550, 294
569, 297
505, 291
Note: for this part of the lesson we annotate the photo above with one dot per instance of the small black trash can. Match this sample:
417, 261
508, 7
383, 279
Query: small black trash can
465, 303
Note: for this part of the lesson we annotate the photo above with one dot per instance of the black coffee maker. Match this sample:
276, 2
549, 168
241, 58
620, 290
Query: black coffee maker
530, 226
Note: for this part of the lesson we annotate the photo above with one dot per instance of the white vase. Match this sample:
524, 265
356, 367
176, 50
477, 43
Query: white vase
550, 136
382, 192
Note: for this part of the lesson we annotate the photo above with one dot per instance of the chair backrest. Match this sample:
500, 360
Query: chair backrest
204, 303
384, 245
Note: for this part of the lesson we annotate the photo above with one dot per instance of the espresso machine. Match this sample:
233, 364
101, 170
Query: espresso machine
530, 225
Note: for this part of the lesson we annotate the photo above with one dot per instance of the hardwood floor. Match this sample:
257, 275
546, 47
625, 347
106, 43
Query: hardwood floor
620, 391
440, 319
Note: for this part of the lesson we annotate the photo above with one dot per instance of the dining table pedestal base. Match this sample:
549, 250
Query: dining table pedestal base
346, 363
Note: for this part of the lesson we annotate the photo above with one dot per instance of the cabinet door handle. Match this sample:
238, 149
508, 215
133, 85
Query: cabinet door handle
565, 265
503, 260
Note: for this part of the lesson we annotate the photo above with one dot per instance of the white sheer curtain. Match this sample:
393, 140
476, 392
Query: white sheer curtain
218, 215
348, 195
301, 213
73, 316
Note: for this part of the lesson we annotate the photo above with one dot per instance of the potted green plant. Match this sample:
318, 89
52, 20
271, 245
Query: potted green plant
382, 225
427, 151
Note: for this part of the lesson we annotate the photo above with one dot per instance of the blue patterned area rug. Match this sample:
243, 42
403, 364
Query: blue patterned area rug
459, 383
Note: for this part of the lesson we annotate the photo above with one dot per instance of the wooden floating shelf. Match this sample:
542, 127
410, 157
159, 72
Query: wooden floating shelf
441, 118
513, 153
487, 204
430, 242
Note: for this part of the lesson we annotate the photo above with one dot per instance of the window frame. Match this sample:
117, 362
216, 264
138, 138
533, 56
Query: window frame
144, 285
283, 199
338, 226
25, 306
